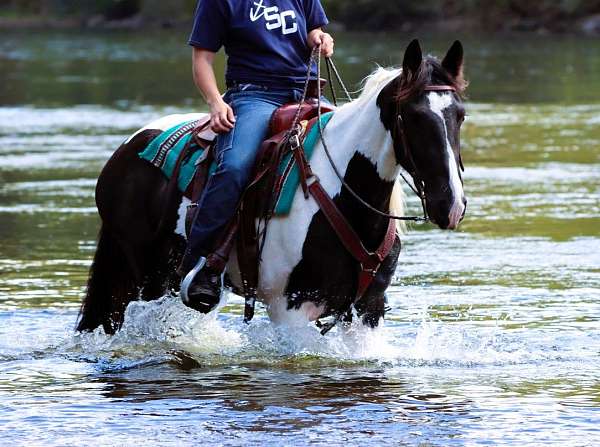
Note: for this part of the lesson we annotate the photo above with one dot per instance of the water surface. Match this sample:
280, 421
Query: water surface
494, 333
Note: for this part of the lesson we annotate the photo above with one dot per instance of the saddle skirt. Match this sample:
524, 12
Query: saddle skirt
193, 137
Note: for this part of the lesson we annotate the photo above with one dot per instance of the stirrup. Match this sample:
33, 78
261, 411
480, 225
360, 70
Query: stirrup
189, 279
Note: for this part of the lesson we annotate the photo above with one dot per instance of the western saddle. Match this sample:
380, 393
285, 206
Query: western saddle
259, 198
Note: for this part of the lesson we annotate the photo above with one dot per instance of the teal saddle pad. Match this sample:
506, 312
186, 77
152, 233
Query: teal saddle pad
164, 151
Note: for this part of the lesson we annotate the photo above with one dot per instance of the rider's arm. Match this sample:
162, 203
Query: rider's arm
221, 114
316, 19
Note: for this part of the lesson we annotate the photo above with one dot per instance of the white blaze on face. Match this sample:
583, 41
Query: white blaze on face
438, 102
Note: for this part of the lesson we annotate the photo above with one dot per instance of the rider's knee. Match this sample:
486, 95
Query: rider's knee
237, 173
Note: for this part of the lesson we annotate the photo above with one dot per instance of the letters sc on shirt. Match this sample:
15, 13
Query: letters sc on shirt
274, 19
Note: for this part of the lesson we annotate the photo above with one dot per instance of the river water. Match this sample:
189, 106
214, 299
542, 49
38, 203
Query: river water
494, 333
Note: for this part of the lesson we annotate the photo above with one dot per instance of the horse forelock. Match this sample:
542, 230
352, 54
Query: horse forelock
430, 72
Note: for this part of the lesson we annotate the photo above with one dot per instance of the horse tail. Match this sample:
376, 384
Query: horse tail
110, 271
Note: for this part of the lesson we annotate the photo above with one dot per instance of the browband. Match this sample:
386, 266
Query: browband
440, 88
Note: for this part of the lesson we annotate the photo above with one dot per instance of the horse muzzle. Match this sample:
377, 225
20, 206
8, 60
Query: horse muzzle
447, 216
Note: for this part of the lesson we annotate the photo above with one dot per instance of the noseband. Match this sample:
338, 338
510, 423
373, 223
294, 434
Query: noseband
419, 183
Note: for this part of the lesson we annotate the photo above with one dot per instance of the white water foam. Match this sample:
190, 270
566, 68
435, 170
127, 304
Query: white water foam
159, 331
166, 326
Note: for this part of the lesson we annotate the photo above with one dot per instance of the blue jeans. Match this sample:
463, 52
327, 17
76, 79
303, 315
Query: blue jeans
235, 155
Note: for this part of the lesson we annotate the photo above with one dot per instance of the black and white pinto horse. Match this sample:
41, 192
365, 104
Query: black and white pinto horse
305, 272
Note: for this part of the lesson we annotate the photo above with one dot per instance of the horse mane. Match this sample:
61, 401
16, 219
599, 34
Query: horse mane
374, 82
431, 72
397, 202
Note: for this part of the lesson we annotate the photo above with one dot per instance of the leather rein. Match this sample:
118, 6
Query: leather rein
369, 262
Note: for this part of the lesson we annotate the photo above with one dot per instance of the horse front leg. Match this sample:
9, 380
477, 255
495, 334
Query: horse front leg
371, 308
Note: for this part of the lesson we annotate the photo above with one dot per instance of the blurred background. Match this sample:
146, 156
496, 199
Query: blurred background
133, 51
494, 333
541, 16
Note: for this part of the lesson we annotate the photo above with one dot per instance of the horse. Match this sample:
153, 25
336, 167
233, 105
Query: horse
405, 118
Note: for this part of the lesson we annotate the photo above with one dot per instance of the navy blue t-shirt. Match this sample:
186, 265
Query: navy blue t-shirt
266, 40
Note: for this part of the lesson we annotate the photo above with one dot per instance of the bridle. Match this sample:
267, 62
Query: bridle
399, 129
419, 184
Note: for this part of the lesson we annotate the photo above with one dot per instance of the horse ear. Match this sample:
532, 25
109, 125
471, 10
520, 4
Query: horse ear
413, 57
454, 60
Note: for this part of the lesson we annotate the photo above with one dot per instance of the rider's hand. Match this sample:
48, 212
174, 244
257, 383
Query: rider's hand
318, 37
222, 119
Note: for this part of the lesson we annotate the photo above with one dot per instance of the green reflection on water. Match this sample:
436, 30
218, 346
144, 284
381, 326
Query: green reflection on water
59, 68
517, 284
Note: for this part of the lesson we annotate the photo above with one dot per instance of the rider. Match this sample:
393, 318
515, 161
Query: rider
268, 44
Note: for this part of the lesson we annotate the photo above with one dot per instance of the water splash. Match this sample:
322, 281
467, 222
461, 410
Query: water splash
440, 344
167, 331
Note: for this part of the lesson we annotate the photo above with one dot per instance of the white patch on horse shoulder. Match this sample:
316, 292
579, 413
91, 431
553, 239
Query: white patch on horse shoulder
166, 122
438, 102
355, 126
181, 213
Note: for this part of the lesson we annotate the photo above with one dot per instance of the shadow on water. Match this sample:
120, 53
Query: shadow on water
318, 392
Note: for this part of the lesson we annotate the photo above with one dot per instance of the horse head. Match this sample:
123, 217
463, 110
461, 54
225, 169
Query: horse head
423, 109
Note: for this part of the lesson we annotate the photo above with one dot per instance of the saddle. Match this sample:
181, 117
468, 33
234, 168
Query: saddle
281, 120
260, 197
263, 191
250, 223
